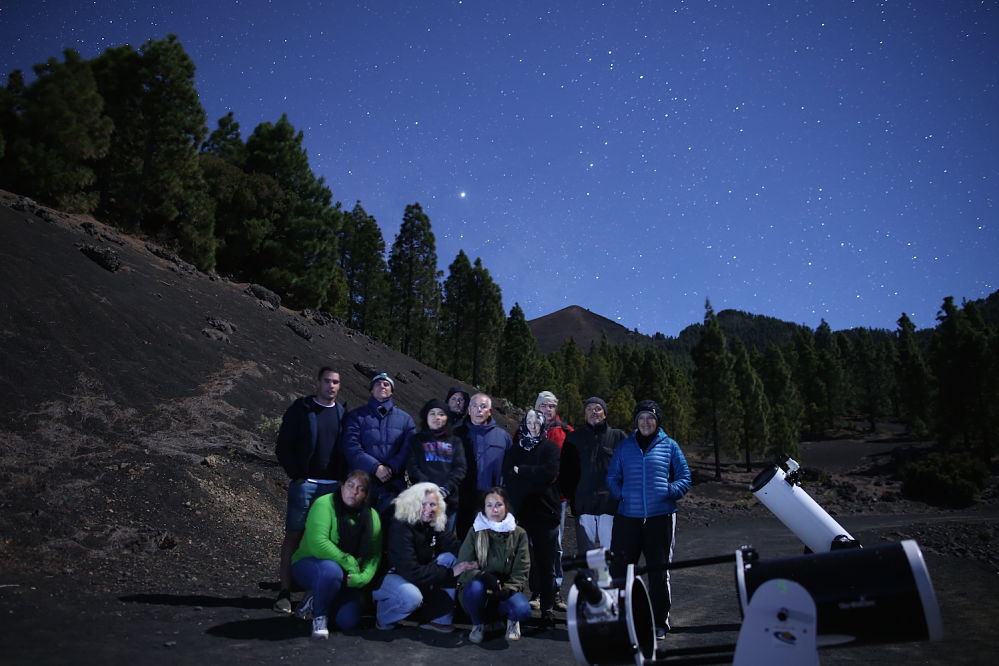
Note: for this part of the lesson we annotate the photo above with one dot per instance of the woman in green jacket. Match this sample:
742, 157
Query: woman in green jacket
339, 554
495, 588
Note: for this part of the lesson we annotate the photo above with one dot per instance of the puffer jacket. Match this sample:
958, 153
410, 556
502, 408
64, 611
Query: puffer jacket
648, 483
372, 438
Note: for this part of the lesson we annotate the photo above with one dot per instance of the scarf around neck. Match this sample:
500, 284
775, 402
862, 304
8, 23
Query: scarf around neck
508, 524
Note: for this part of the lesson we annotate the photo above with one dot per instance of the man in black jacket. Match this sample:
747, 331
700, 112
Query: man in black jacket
583, 471
308, 447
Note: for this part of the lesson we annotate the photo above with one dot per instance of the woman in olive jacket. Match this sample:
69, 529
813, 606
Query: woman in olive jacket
495, 588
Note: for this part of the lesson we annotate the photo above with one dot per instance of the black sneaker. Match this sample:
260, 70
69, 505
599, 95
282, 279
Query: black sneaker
283, 603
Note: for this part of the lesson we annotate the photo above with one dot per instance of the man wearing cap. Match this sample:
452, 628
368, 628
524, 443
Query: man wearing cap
555, 430
648, 474
308, 450
586, 456
374, 439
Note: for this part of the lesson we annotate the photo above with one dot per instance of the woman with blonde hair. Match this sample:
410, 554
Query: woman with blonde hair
422, 562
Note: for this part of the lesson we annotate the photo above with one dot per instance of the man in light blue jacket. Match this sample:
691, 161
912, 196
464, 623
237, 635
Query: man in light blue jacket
648, 474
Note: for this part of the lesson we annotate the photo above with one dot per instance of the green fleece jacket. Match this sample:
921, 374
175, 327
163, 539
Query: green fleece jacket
505, 556
321, 539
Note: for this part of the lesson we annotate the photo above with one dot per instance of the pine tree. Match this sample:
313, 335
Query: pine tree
362, 256
570, 364
964, 362
755, 431
458, 354
11, 107
620, 406
248, 207
300, 258
874, 372
415, 286
151, 178
518, 356
807, 375
61, 132
832, 375
598, 380
718, 409
544, 374
486, 323
912, 376
678, 400
225, 142
786, 409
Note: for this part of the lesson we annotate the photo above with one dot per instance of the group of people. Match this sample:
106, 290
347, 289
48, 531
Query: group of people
454, 510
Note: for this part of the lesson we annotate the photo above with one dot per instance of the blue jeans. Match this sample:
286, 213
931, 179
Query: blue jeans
397, 597
301, 495
482, 608
330, 595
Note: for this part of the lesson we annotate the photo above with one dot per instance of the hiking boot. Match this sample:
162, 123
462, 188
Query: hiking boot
512, 630
559, 604
319, 629
535, 601
439, 627
283, 603
304, 610
477, 633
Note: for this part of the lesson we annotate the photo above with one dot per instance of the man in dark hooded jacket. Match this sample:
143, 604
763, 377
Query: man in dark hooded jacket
583, 475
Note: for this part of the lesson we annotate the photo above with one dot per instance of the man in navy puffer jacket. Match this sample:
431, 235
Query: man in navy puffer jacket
648, 474
374, 439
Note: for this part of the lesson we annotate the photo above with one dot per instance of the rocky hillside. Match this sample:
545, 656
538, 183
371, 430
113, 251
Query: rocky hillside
140, 399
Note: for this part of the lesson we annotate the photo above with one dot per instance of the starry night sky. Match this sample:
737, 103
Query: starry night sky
799, 159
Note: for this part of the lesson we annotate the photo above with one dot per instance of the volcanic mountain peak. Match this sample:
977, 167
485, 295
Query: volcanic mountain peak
585, 327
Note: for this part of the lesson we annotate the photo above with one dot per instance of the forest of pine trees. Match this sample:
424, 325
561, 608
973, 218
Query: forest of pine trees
124, 136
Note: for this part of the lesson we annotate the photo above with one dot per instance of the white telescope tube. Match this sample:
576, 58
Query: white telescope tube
797, 510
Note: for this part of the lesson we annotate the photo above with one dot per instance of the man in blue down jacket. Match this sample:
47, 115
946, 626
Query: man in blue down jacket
374, 439
485, 446
648, 474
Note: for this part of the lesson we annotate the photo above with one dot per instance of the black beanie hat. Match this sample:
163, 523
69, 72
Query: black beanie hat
431, 404
648, 406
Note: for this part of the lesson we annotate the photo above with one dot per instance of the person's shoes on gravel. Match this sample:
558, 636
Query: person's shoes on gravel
319, 629
438, 627
477, 633
304, 610
512, 630
283, 602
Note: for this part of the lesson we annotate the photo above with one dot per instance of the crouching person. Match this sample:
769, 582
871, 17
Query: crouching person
423, 565
494, 588
339, 554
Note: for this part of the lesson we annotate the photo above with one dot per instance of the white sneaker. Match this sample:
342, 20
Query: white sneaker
512, 630
319, 629
477, 633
